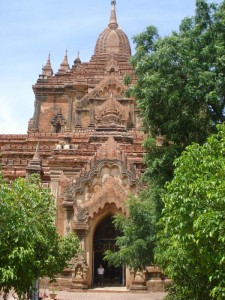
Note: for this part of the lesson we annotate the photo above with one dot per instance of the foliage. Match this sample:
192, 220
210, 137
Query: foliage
191, 241
180, 92
138, 233
29, 244
180, 85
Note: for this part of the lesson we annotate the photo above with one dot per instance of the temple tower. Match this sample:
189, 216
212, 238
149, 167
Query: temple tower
89, 149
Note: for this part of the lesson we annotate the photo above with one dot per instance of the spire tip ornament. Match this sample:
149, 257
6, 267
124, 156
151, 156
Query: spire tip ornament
113, 20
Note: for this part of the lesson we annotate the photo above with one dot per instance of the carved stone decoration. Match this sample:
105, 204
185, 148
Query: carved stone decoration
74, 189
138, 281
109, 150
35, 166
109, 85
84, 102
100, 197
108, 182
80, 212
58, 123
80, 267
103, 90
112, 67
110, 113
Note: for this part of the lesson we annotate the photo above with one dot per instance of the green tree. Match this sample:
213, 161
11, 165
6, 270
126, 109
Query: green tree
138, 234
192, 237
29, 244
180, 86
180, 93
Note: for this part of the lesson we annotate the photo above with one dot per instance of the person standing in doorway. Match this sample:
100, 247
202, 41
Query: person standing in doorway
100, 272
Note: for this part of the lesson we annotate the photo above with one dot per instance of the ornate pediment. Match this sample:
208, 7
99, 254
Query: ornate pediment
111, 112
104, 89
108, 192
117, 167
106, 183
107, 86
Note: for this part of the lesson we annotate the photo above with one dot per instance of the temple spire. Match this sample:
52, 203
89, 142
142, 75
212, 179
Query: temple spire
64, 67
47, 69
34, 165
77, 60
113, 20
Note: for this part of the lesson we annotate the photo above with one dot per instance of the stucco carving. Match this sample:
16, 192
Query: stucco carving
107, 182
112, 67
110, 112
109, 85
58, 123
111, 191
78, 187
103, 90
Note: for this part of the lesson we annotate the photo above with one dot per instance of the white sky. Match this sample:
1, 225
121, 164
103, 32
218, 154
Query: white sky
30, 29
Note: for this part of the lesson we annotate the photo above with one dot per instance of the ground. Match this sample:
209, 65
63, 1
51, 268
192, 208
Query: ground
106, 294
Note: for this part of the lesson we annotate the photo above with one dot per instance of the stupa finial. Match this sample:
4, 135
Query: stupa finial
113, 20
47, 69
64, 66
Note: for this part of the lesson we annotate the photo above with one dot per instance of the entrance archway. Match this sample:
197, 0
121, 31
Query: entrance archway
104, 239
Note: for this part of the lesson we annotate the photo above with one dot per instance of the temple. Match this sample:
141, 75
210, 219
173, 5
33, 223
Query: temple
85, 141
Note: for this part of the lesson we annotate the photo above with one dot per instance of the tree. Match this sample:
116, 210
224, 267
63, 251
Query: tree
192, 237
180, 93
29, 244
138, 234
180, 86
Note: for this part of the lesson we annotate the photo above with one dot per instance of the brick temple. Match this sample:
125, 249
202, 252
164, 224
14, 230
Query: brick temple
84, 139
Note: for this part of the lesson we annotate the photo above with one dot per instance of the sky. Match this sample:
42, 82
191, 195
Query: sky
31, 29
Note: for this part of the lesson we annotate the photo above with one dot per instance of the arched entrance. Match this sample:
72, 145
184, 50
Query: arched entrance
104, 239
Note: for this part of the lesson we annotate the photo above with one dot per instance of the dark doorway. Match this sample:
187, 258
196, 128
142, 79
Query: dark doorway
58, 128
104, 239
